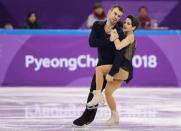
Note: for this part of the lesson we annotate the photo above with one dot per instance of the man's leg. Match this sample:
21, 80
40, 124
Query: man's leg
88, 114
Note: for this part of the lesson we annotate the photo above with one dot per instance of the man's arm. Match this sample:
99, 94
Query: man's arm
120, 31
117, 34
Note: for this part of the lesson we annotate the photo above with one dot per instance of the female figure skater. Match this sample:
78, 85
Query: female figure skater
120, 71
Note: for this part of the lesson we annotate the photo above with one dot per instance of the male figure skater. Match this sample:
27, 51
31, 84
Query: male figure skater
100, 38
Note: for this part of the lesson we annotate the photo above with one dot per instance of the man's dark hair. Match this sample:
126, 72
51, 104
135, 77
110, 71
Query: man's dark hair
117, 6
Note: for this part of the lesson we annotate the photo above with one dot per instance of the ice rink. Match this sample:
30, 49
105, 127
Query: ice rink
54, 109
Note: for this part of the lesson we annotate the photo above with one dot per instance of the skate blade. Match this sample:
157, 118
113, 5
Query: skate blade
95, 107
85, 127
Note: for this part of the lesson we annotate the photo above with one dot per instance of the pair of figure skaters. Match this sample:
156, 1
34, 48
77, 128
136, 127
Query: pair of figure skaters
115, 42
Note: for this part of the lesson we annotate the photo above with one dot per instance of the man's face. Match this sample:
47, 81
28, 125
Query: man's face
114, 15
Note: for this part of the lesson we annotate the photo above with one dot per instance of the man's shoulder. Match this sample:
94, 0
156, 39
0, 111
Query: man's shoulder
99, 23
120, 24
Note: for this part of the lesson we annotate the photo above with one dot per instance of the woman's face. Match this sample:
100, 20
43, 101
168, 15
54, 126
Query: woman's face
32, 17
127, 26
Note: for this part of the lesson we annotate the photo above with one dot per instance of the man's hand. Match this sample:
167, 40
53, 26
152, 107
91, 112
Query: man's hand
109, 78
114, 35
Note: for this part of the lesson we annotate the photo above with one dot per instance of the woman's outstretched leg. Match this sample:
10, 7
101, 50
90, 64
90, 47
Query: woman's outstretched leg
100, 72
98, 97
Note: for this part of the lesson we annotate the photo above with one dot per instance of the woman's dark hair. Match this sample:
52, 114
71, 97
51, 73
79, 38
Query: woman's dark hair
134, 21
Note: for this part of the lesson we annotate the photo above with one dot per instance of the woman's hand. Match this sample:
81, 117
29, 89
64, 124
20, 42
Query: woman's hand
114, 35
109, 78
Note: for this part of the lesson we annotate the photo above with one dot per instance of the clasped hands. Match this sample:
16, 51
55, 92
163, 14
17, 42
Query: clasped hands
114, 35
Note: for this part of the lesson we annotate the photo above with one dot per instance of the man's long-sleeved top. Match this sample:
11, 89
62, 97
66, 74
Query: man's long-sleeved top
107, 53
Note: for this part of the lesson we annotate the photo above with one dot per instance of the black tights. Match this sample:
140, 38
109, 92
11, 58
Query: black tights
89, 114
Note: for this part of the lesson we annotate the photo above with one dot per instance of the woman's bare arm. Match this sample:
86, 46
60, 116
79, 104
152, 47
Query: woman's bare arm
125, 42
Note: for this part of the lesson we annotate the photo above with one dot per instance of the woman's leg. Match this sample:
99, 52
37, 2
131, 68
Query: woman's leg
100, 72
110, 88
97, 95
121, 75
